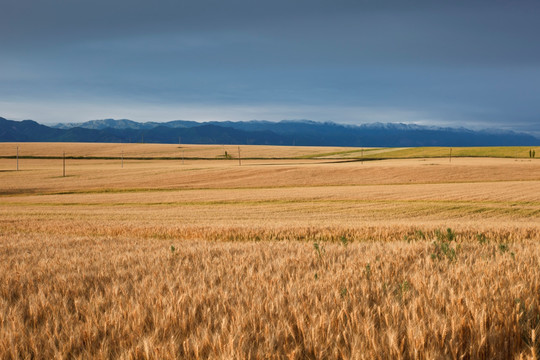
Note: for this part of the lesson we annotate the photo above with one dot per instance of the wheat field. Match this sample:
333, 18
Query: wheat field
286, 256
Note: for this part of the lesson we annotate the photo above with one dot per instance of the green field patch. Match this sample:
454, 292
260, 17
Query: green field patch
520, 152
334, 153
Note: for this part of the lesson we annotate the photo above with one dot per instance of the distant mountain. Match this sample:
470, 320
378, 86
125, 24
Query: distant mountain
287, 132
28, 130
123, 124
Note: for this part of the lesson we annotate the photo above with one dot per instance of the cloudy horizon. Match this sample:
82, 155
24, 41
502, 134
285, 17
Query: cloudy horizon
472, 64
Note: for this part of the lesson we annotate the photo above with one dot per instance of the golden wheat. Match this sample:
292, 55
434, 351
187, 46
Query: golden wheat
114, 297
272, 259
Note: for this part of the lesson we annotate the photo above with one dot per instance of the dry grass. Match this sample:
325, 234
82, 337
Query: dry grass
87, 269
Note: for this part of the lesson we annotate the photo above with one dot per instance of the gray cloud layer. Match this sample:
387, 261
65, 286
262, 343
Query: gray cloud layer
467, 63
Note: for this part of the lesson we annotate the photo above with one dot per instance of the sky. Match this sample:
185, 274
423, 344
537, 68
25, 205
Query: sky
444, 63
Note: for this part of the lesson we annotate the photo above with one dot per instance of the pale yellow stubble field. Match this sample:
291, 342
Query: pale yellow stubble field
107, 150
154, 197
168, 197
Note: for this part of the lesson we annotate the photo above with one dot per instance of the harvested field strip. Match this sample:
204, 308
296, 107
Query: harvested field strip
155, 151
504, 194
441, 203
165, 158
481, 190
522, 183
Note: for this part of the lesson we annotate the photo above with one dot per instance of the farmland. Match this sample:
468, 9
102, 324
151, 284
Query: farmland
183, 252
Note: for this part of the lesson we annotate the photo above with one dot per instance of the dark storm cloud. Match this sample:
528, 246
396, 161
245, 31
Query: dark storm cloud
346, 31
475, 62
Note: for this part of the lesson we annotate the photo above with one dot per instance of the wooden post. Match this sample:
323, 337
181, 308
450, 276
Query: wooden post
362, 156
182, 156
122, 159
450, 158
239, 158
17, 158
64, 162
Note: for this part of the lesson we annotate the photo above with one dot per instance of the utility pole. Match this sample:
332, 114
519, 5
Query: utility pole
450, 158
64, 162
182, 156
362, 156
17, 157
122, 159
239, 158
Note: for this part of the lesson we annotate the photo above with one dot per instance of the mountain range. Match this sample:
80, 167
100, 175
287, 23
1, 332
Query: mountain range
287, 132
